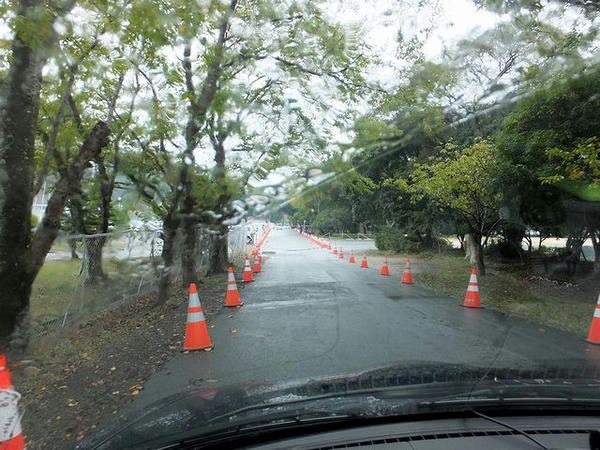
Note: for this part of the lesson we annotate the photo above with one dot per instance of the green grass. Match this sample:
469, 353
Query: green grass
507, 290
58, 286
53, 288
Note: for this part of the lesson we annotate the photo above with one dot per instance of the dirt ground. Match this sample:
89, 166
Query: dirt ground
71, 383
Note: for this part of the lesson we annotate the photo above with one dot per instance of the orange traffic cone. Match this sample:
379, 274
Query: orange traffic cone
472, 296
594, 333
253, 252
384, 269
257, 266
352, 260
363, 263
407, 274
11, 433
334, 250
232, 298
248, 277
196, 331
341, 254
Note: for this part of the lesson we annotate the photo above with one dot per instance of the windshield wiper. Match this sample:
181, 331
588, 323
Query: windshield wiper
499, 401
510, 427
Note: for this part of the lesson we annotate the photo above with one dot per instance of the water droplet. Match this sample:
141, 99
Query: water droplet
235, 220
239, 206
258, 199
310, 173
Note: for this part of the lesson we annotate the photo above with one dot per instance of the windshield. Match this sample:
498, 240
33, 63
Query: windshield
255, 202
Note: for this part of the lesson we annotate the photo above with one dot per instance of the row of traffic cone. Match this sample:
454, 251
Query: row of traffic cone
406, 275
314, 239
472, 299
261, 240
196, 330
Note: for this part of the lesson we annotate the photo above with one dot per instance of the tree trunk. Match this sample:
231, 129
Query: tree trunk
469, 247
93, 246
188, 252
18, 116
596, 245
73, 247
168, 257
16, 279
219, 257
461, 240
479, 254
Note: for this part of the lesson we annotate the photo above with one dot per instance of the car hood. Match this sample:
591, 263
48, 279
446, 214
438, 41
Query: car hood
409, 388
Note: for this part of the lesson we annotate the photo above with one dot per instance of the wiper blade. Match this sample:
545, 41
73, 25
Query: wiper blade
531, 402
510, 427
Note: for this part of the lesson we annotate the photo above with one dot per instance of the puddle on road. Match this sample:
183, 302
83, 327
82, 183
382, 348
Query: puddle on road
287, 303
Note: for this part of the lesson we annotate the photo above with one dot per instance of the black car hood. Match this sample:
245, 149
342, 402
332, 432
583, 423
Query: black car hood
390, 390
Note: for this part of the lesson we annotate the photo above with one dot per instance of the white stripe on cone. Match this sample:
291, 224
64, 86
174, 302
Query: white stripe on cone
193, 317
10, 420
194, 300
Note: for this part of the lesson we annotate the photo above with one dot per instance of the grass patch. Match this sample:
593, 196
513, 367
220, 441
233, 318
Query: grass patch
58, 286
53, 288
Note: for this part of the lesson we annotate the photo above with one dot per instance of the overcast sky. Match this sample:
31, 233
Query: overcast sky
382, 20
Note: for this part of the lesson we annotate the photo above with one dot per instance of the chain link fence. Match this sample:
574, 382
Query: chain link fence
86, 274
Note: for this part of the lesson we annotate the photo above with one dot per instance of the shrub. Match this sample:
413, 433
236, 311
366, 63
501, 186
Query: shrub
332, 220
394, 240
503, 249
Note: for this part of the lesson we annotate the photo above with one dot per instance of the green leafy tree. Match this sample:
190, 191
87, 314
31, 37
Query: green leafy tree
464, 181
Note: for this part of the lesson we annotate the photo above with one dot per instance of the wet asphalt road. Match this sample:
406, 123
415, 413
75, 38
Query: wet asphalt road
309, 314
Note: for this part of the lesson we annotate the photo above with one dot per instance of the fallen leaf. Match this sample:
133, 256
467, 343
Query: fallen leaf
233, 331
135, 392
